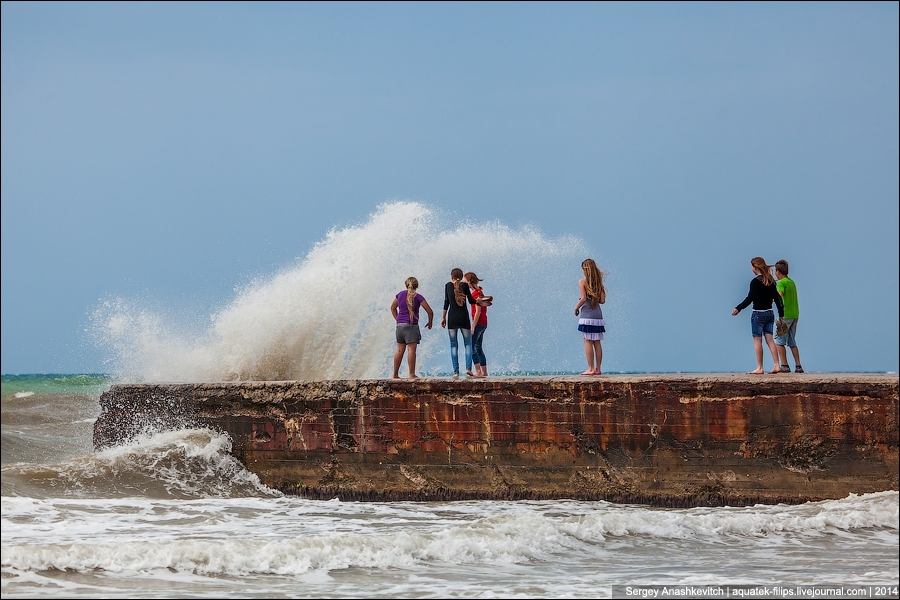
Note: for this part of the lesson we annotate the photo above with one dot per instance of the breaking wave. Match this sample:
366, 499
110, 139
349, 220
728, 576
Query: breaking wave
327, 317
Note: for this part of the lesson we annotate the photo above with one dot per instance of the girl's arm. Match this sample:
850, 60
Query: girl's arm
429, 311
779, 303
583, 291
468, 292
747, 300
476, 317
447, 289
446, 304
394, 308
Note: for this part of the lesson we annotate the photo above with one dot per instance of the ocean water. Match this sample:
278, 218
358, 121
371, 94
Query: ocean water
173, 514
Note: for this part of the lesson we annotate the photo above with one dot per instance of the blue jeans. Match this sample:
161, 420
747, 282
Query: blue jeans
477, 350
454, 348
762, 322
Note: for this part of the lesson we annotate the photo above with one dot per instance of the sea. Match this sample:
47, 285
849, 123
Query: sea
173, 514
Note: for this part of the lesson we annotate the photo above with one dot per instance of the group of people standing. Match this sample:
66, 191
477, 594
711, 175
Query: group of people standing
466, 306
465, 314
764, 291
462, 288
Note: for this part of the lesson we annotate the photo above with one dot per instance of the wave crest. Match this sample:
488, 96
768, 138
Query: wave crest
327, 317
188, 463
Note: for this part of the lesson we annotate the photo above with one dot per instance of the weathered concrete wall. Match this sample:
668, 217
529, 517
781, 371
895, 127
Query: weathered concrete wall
672, 440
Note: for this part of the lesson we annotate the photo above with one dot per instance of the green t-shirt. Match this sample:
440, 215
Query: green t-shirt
788, 290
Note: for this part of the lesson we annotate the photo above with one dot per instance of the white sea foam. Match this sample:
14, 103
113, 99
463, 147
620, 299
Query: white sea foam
327, 317
288, 536
854, 512
23, 394
187, 463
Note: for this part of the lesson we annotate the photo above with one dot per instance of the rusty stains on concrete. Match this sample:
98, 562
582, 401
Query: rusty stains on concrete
672, 440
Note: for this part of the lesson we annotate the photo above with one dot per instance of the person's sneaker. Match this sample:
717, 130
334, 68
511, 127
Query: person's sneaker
785, 368
798, 369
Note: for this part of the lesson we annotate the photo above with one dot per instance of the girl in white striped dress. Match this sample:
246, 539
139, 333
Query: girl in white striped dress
590, 315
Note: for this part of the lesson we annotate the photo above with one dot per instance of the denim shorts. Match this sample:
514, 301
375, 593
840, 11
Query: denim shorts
408, 334
762, 322
788, 338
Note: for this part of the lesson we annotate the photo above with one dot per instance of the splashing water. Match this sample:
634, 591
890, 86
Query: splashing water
185, 463
328, 318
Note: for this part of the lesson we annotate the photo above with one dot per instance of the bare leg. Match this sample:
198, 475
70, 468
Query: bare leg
598, 356
398, 358
796, 352
589, 355
757, 349
772, 348
782, 355
411, 360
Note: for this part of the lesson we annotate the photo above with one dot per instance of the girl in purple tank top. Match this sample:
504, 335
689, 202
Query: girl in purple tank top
405, 309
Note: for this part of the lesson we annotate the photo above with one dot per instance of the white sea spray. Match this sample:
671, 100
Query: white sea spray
327, 316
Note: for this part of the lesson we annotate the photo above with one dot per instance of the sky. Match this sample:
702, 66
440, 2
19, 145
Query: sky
172, 152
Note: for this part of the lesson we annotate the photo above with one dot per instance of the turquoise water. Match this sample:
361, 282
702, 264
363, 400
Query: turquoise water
51, 383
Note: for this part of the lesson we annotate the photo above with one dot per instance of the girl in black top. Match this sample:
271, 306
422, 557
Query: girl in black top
762, 294
456, 319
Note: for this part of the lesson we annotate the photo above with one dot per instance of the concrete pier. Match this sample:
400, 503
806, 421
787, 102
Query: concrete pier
668, 440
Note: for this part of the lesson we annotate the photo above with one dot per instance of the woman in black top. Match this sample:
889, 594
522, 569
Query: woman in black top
762, 294
456, 318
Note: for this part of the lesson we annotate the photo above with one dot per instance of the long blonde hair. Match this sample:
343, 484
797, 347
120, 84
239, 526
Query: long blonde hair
593, 282
456, 276
412, 284
759, 263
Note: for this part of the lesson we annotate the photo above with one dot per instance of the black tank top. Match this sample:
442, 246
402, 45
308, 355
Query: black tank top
457, 316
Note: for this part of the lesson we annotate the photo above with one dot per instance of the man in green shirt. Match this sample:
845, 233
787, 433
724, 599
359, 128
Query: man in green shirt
788, 291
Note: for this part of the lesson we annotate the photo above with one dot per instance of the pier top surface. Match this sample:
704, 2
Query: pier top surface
812, 378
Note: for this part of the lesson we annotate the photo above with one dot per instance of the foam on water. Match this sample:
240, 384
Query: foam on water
878, 510
287, 536
327, 317
188, 463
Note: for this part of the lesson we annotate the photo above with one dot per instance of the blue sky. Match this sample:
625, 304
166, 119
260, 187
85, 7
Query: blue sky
171, 152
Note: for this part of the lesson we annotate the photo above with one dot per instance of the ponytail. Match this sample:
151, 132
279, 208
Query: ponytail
412, 284
458, 295
456, 276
